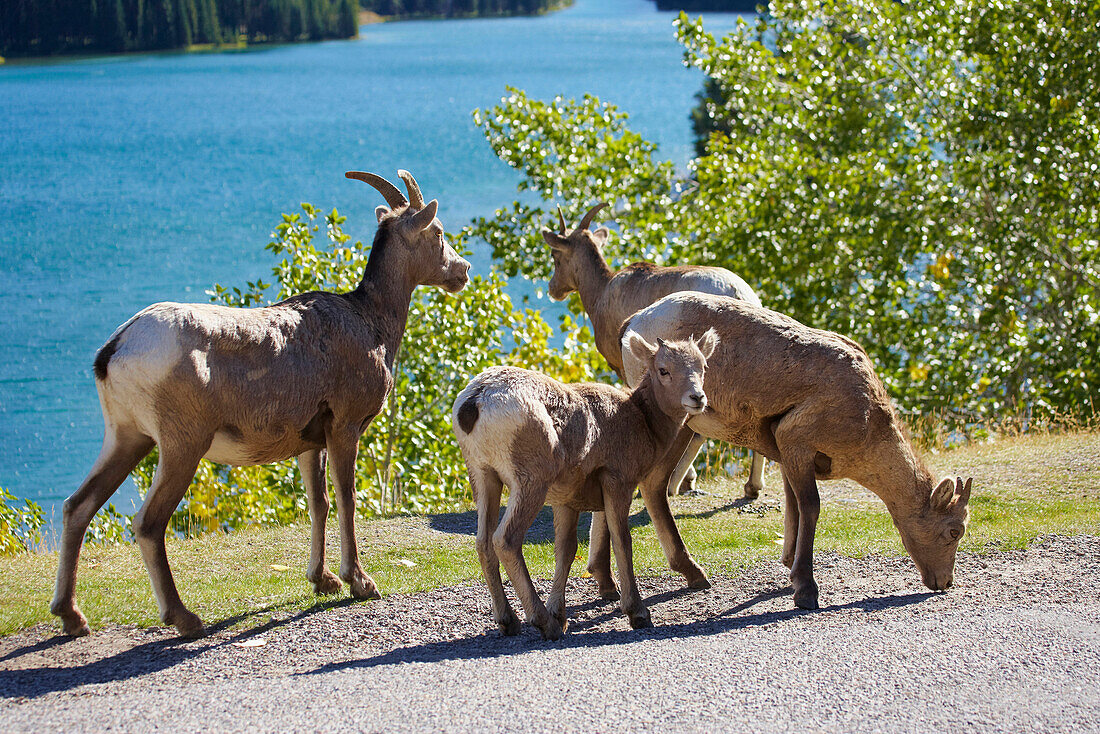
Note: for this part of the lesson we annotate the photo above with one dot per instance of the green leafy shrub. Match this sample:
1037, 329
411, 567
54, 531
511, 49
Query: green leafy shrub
110, 527
20, 525
918, 176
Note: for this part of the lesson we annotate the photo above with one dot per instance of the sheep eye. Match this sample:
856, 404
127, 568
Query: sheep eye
662, 372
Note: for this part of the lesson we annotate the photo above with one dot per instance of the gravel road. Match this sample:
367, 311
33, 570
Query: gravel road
1014, 647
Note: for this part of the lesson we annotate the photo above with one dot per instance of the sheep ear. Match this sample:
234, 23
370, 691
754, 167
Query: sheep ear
707, 343
962, 490
601, 235
942, 494
424, 218
640, 348
555, 240
381, 212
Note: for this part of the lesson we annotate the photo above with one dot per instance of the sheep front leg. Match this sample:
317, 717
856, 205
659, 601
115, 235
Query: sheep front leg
655, 495
342, 449
312, 466
755, 484
565, 550
616, 502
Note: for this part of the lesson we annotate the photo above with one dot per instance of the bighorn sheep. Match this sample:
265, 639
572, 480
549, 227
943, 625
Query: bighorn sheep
809, 400
577, 447
609, 298
303, 378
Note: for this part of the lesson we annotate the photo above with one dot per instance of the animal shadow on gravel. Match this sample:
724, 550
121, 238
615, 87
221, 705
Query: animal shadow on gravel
737, 504
149, 657
541, 531
492, 645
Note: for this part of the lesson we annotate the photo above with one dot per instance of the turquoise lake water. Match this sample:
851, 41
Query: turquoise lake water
135, 179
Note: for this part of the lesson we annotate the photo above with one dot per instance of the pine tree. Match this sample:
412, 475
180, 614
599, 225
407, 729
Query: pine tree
185, 22
111, 26
347, 24
207, 29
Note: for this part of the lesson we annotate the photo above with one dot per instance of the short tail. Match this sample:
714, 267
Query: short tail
103, 356
468, 412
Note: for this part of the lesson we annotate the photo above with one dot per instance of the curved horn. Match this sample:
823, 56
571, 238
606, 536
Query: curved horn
389, 192
586, 220
561, 221
415, 197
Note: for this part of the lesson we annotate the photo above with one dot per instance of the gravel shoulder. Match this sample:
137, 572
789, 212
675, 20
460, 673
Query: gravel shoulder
1015, 646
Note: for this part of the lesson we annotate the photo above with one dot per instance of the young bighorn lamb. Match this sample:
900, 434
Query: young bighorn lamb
576, 447
609, 298
809, 400
303, 378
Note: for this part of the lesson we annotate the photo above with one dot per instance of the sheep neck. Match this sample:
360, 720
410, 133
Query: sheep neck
383, 298
594, 277
662, 427
897, 475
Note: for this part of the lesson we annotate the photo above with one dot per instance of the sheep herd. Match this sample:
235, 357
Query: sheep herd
703, 359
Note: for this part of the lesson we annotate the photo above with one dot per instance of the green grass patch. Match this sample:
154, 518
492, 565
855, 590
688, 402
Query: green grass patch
1024, 488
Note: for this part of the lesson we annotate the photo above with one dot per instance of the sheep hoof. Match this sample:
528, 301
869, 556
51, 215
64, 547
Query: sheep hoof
556, 608
327, 584
510, 627
187, 624
806, 598
73, 622
751, 491
611, 594
551, 630
641, 621
700, 583
363, 587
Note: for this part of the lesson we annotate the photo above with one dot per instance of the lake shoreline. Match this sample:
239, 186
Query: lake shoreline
138, 179
365, 18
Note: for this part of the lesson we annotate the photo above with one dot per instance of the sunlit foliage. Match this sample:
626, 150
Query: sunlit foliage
919, 176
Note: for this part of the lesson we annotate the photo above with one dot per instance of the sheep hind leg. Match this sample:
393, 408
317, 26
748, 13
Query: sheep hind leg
599, 557
801, 480
312, 466
790, 523
121, 452
565, 550
174, 473
487, 490
523, 506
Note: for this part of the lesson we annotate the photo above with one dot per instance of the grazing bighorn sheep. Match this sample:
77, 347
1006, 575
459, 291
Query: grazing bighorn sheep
809, 400
609, 298
303, 378
577, 447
